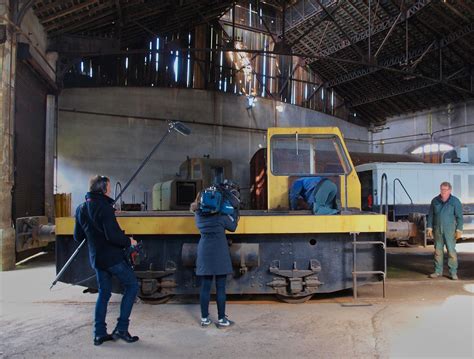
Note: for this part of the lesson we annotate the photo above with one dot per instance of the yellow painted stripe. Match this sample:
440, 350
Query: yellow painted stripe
247, 225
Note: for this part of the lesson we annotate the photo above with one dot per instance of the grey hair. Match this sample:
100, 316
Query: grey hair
446, 184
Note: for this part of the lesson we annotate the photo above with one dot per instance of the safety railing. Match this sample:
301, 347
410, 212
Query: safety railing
394, 197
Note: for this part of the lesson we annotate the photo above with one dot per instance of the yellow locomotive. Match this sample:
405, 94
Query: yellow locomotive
293, 254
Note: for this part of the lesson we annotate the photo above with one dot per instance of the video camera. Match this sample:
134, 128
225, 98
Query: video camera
223, 198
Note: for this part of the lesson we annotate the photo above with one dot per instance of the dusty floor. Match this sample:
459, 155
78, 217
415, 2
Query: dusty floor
419, 318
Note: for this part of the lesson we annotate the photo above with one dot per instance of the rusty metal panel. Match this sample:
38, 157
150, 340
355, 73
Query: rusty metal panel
29, 145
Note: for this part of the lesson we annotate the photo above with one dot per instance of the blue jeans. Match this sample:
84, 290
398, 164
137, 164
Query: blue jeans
128, 280
205, 295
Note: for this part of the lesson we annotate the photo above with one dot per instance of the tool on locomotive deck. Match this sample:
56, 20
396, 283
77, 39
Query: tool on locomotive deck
173, 125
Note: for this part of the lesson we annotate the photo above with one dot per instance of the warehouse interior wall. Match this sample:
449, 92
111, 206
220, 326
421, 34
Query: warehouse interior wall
452, 124
109, 131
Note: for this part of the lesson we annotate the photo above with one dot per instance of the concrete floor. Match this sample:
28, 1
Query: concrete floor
419, 318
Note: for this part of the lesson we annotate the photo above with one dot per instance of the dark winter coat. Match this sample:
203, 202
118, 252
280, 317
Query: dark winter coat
95, 220
213, 255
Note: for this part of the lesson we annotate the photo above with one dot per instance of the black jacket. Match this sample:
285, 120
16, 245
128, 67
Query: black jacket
95, 220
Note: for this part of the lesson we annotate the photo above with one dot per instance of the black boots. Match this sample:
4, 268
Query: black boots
117, 334
103, 338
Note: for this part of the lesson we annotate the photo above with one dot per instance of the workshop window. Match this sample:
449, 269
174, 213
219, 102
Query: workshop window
432, 152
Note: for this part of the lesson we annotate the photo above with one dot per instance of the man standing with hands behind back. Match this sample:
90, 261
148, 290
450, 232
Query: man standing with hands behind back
95, 220
445, 224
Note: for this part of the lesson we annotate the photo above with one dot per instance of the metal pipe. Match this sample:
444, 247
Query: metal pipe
387, 36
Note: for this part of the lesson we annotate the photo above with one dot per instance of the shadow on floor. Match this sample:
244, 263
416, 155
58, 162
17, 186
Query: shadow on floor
414, 263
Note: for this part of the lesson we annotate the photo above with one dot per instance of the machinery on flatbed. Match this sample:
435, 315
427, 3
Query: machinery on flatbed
293, 254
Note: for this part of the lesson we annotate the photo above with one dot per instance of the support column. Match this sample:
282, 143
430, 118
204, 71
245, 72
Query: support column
50, 151
7, 79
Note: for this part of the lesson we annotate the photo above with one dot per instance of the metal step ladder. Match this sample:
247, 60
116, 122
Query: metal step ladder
356, 272
383, 243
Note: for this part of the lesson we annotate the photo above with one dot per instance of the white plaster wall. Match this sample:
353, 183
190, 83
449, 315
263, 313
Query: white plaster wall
452, 124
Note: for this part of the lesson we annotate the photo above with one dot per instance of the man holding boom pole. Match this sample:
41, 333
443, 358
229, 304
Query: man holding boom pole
108, 245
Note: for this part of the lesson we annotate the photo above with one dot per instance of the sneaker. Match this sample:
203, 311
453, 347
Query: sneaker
205, 322
454, 276
434, 275
224, 323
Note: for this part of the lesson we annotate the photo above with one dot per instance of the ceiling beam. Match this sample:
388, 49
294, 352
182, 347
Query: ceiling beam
358, 11
75, 19
322, 16
392, 92
306, 20
341, 29
400, 58
132, 34
112, 13
68, 11
387, 24
85, 24
456, 11
356, 21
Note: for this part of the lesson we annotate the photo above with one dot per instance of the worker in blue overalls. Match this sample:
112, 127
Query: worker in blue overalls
445, 224
318, 192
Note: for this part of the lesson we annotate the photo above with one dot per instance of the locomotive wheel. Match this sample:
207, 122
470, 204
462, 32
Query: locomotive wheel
294, 300
155, 301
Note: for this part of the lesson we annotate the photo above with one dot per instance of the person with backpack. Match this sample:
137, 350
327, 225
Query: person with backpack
213, 254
